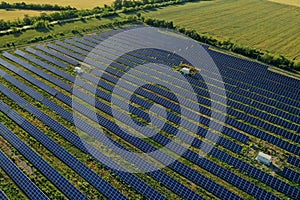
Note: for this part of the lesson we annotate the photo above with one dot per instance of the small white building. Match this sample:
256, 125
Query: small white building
78, 70
185, 71
264, 158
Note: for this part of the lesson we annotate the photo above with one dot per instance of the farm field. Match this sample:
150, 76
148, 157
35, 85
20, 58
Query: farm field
288, 2
45, 106
12, 15
73, 3
260, 24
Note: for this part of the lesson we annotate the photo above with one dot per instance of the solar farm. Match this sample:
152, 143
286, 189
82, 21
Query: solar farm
43, 155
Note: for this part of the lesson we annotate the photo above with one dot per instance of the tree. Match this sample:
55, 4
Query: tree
41, 24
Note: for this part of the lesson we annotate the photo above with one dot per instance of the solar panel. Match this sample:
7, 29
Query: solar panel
66, 52
3, 196
28, 77
23, 182
78, 44
291, 174
72, 48
147, 191
37, 71
294, 161
58, 55
85, 42
46, 57
100, 184
46, 66
47, 170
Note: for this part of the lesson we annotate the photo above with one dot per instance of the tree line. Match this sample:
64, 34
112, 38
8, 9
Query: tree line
265, 57
55, 16
123, 6
24, 6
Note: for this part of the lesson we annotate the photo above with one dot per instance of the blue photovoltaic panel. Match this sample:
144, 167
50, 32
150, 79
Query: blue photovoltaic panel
46, 66
23, 182
46, 57
47, 170
291, 174
135, 182
237, 136
283, 144
265, 180
72, 48
77, 44
101, 185
58, 55
85, 42
66, 52
28, 77
294, 161
3, 196
37, 71
280, 121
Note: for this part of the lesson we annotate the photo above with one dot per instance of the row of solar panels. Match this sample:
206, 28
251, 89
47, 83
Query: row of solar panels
235, 63
67, 87
183, 191
278, 112
206, 181
282, 143
241, 98
238, 82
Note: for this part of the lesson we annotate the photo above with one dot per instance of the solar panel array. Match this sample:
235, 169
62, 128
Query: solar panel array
265, 108
291, 174
294, 161
28, 187
3, 196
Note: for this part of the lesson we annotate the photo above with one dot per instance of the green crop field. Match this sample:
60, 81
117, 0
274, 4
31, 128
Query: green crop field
73, 3
19, 14
260, 24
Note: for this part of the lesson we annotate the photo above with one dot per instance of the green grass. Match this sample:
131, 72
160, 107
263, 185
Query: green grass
55, 31
258, 23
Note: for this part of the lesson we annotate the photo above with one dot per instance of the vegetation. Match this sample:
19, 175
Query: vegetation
73, 3
278, 61
24, 6
118, 6
264, 25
